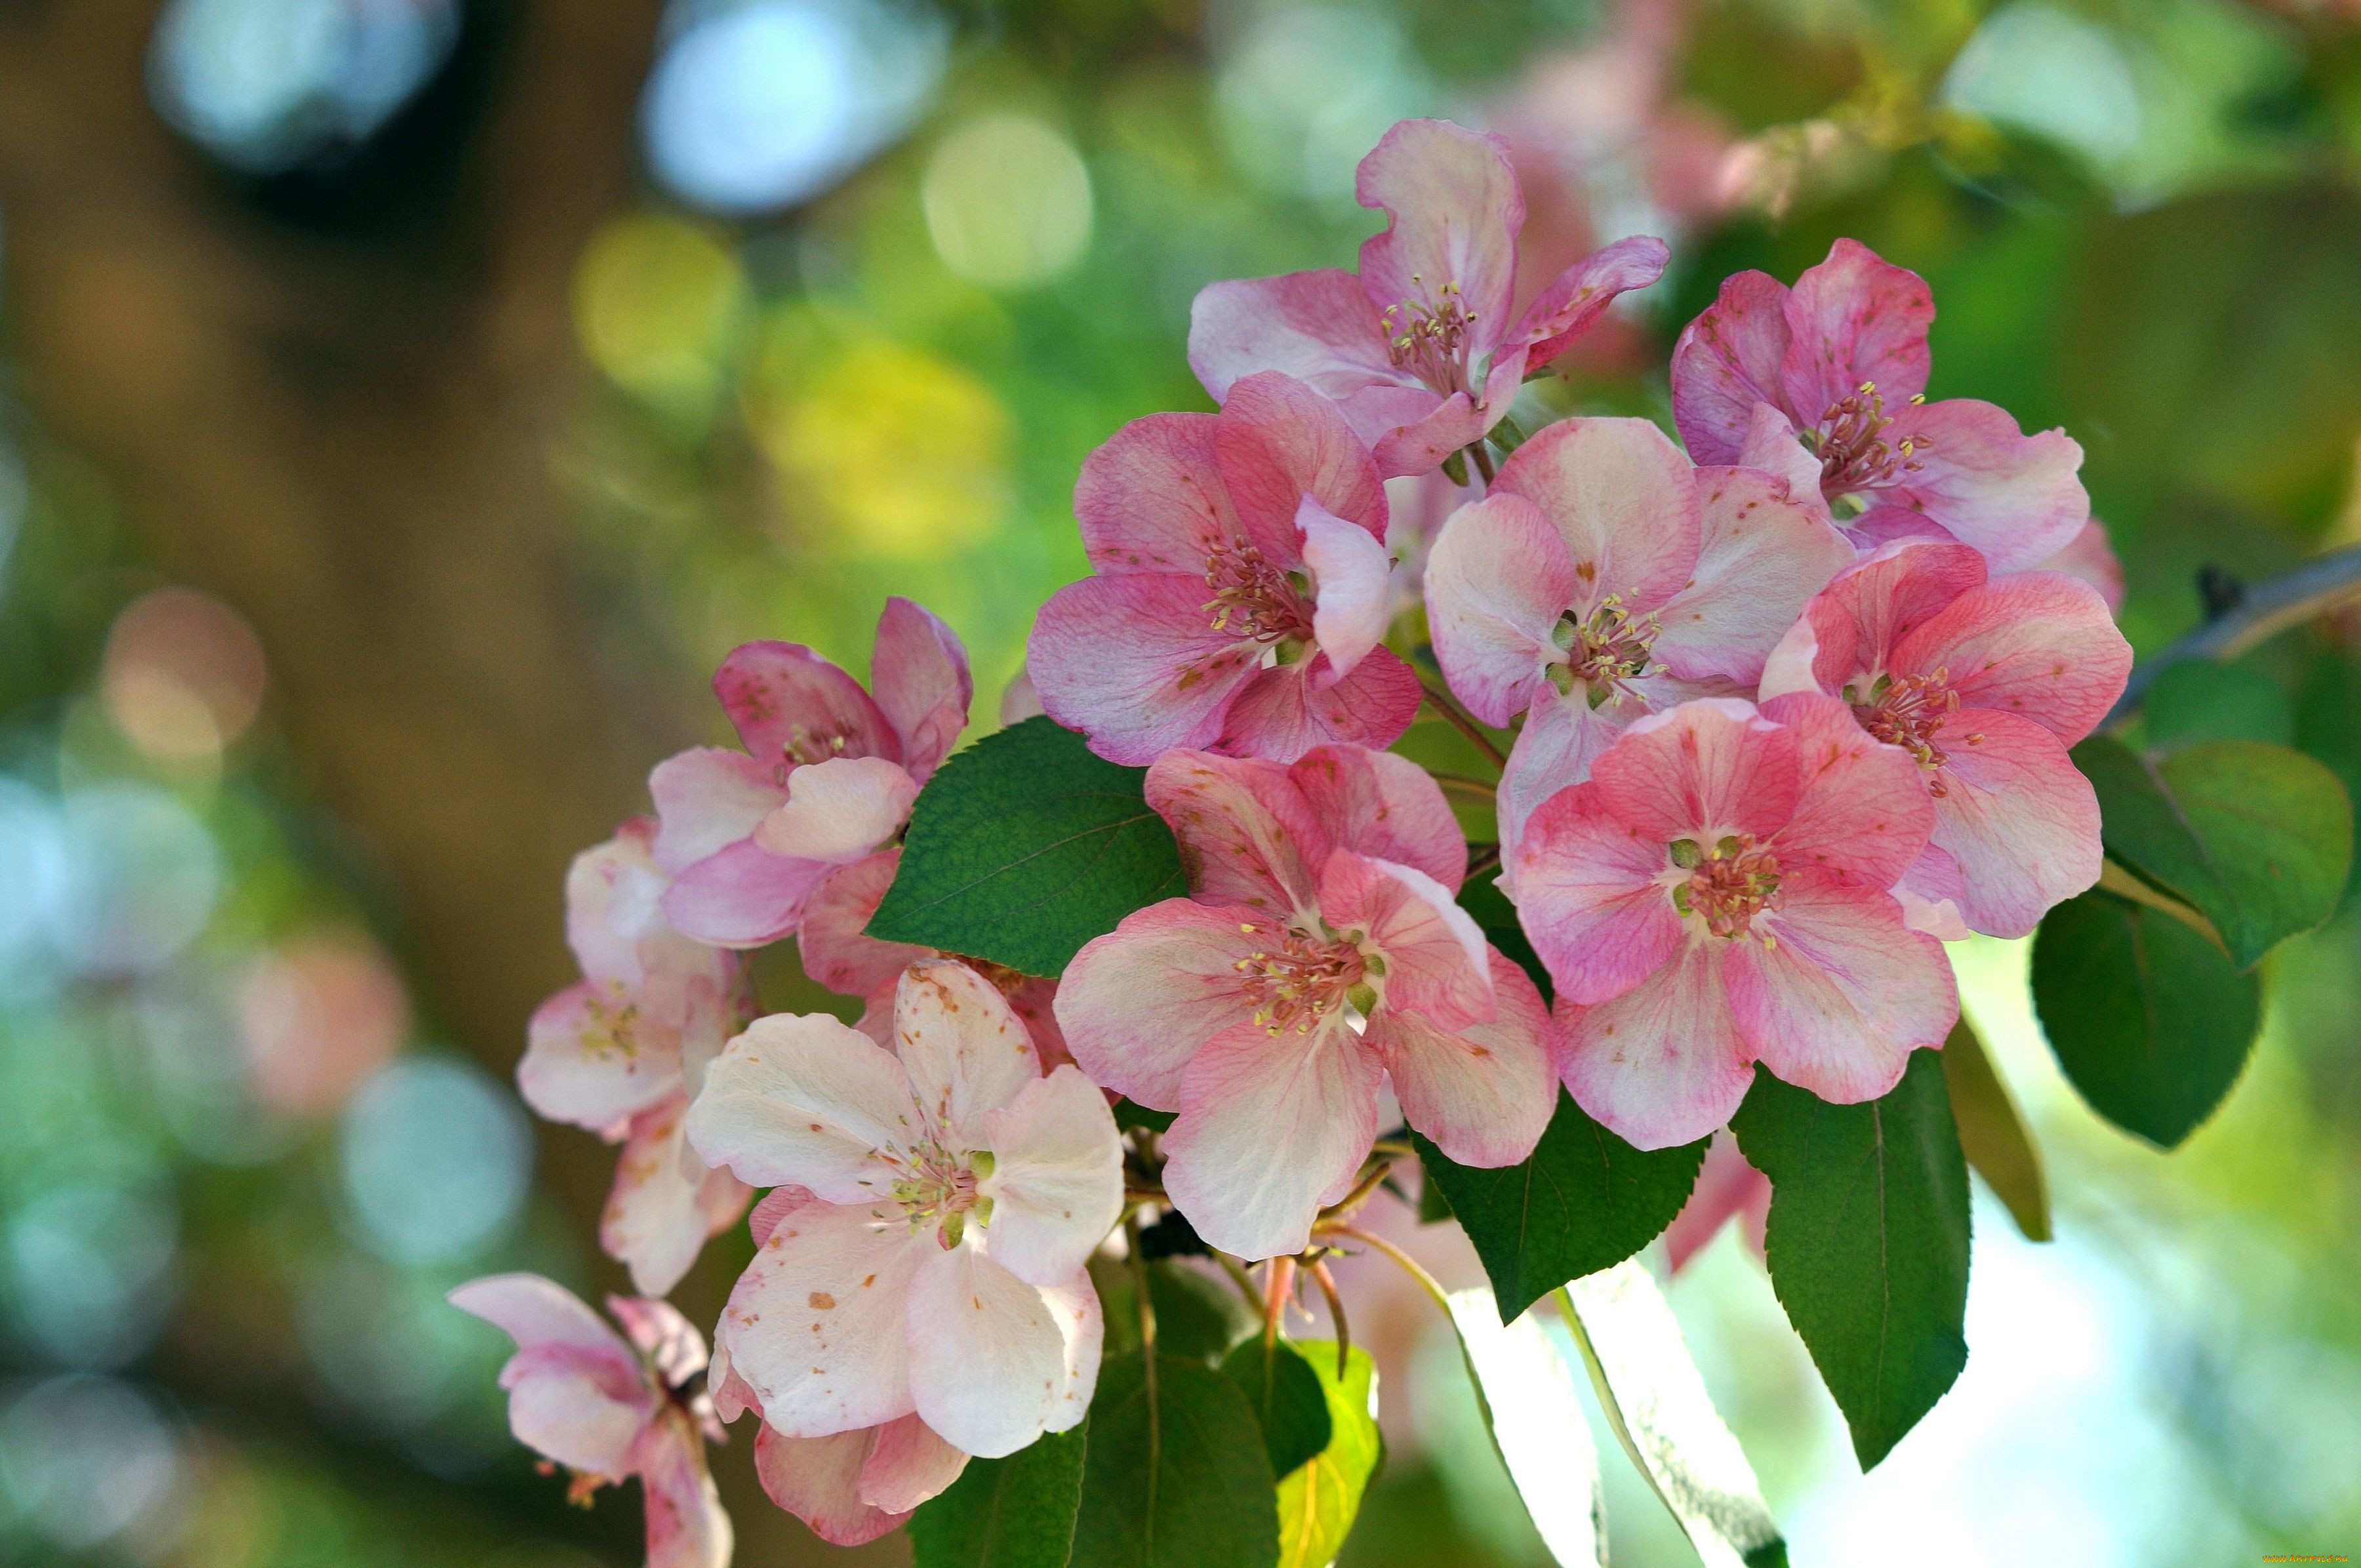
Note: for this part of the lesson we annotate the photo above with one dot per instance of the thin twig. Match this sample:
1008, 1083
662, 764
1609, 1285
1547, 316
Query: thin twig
1360, 1193
1408, 1265
1483, 461
1277, 1286
1239, 1277
1462, 785
2270, 607
1439, 700
1327, 1283
1482, 859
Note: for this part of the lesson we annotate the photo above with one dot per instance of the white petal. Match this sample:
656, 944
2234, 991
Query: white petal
1057, 1183
801, 1100
815, 1324
534, 1311
1349, 569
991, 1367
839, 810
966, 1051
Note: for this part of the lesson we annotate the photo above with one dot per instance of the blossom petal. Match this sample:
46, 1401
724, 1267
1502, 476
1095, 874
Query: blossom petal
967, 1054
1622, 497
1151, 498
741, 895
1761, 557
1136, 664
709, 798
1454, 209
920, 673
1563, 736
614, 921
1716, 766
1497, 581
816, 1325
908, 1464
1727, 362
1138, 1002
1773, 446
2017, 498
1861, 620
989, 1358
1270, 1128
2019, 818
1436, 961
790, 704
2038, 644
1861, 809
2091, 557
1350, 571
1318, 327
685, 1525
1277, 442
577, 1407
665, 1201
1246, 834
1283, 712
1591, 891
1411, 431
1930, 894
1379, 804
1484, 1093
1847, 992
817, 1479
1577, 297
586, 1063
803, 1100
839, 810
1728, 1186
1057, 1181
536, 1312
1855, 317
832, 942
1663, 1063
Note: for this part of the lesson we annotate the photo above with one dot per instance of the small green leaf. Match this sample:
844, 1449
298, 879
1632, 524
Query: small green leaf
1433, 1208
2258, 838
1584, 1201
1129, 1115
1176, 1476
1530, 1407
1023, 847
1318, 1502
1197, 1315
1992, 1133
2198, 700
1868, 1241
1286, 1396
1016, 1512
2147, 1018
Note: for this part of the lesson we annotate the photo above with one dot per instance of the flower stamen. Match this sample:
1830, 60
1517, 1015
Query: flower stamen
1853, 455
1728, 885
1253, 598
1300, 979
1432, 338
1908, 711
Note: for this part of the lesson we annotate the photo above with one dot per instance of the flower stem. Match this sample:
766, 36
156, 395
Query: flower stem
1360, 1193
1483, 461
2261, 613
1408, 1265
1460, 783
1327, 1283
1441, 701
1146, 1306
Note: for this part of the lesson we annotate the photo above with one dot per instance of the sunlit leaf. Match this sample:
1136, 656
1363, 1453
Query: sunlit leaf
1535, 1417
1016, 1512
1317, 1503
1992, 1132
1175, 1477
1288, 1404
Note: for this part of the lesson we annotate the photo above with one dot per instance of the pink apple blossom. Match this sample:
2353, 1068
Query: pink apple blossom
956, 1194
1824, 383
1716, 895
1984, 685
623, 1052
1419, 350
1606, 578
608, 1410
1726, 1187
1320, 958
1241, 592
2091, 557
826, 777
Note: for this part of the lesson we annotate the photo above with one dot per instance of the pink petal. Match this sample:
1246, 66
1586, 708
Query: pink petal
1436, 962
1563, 736
1270, 1128
1151, 498
1138, 1002
1034, 998
1379, 804
741, 896
1277, 442
839, 810
536, 1312
1727, 362
1578, 296
2038, 644
613, 919
816, 1325
909, 1464
1285, 712
790, 705
966, 1053
919, 671
1018, 700
1663, 1063
1861, 621
830, 941
2019, 818
2089, 556
658, 1332
991, 1361
1137, 664
1484, 1093
1247, 835
1704, 768
665, 1201
1856, 317
586, 1063
1453, 207
777, 1205
1411, 431
1860, 811
1057, 1181
803, 1100
709, 798
1930, 894
2017, 498
577, 1407
1773, 446
1761, 557
1318, 327
1837, 1005
1350, 570
1728, 1186
1593, 896
1622, 497
686, 1527
817, 1479
1496, 582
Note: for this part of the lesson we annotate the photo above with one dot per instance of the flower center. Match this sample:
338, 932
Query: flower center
1253, 598
805, 746
1908, 711
1728, 885
1607, 651
1430, 336
611, 1022
1298, 979
938, 1187
1853, 455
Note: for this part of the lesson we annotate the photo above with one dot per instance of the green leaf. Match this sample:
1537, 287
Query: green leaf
1530, 1407
1016, 1512
1128, 1116
1318, 1502
1868, 1241
1584, 1201
2198, 700
1176, 1476
1654, 1397
1992, 1132
2147, 1018
1286, 1396
1023, 847
1197, 1315
2258, 838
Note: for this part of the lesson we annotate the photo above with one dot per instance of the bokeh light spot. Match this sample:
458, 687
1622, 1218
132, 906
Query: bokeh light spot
435, 1160
317, 1017
183, 675
86, 1460
1307, 90
144, 876
2044, 71
656, 300
88, 1267
1008, 202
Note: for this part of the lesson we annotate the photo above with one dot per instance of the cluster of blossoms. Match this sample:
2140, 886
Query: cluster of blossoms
1784, 706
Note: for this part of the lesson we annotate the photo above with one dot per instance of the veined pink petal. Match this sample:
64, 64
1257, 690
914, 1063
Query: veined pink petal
919, 671
1246, 834
1715, 767
803, 1100
577, 1407
1151, 500
1412, 431
817, 1479
709, 798
1727, 362
1663, 1063
1856, 317
1350, 570
989, 1355
587, 1062
1376, 803
908, 1464
2038, 644
1886, 522
1057, 1179
1496, 582
777, 1205
2089, 556
1136, 664
1484, 1093
1276, 442
657, 1331
1454, 209
1284, 711
1725, 1186
613, 919
1860, 621
1436, 962
2017, 498
966, 1053
1592, 895
816, 1325
1773, 446
1761, 557
1318, 327
741, 895
1138, 1002
686, 1527
1270, 1128
1861, 810
664, 1202
1930, 894
1563, 736
1034, 998
839, 810
790, 705
1622, 497
2019, 818
1846, 994
1578, 296
831, 941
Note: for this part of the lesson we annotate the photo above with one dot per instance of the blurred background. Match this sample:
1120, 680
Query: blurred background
405, 402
